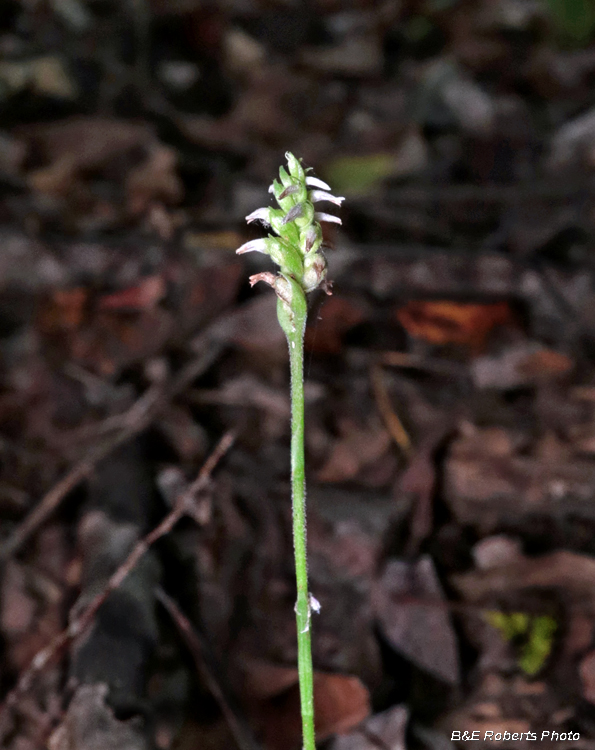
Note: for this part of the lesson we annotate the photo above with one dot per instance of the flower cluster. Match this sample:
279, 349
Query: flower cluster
296, 248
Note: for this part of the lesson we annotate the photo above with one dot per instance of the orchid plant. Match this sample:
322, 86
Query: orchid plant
296, 247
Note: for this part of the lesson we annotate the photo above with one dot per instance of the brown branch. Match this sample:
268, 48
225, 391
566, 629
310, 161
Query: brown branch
183, 506
237, 725
137, 418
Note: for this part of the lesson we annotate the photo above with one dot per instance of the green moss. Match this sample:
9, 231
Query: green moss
533, 635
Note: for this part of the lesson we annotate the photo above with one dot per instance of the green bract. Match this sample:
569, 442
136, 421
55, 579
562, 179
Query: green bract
296, 243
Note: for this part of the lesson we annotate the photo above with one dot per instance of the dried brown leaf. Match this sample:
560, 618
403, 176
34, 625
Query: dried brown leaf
408, 602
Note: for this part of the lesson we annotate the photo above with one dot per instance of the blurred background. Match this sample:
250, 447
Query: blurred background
450, 377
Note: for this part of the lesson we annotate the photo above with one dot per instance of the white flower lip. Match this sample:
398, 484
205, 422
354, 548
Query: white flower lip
320, 195
316, 183
253, 246
260, 213
321, 216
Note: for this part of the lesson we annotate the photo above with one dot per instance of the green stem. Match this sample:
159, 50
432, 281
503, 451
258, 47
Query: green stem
295, 340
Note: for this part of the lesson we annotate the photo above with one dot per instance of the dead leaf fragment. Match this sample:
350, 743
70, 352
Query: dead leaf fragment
524, 364
18, 607
487, 480
407, 600
89, 141
146, 294
386, 730
341, 702
64, 312
449, 322
587, 675
335, 317
355, 449
569, 571
156, 179
90, 724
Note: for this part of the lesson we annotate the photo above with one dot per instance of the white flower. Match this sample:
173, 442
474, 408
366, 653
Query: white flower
320, 216
254, 246
316, 183
260, 213
320, 195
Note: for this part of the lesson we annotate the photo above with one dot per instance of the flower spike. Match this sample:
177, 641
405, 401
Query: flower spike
295, 242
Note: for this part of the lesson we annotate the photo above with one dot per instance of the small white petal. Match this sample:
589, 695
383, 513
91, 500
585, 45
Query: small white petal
320, 216
254, 246
320, 195
260, 213
271, 189
315, 182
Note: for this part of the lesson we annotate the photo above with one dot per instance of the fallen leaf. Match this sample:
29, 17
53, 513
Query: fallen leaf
569, 571
17, 609
205, 293
253, 326
487, 481
335, 317
184, 434
146, 294
384, 730
340, 702
359, 55
448, 322
69, 148
407, 600
89, 142
45, 75
89, 723
587, 674
524, 364
355, 449
156, 179
114, 341
64, 311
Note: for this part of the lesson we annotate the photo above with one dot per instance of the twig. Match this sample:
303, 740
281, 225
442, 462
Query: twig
388, 414
137, 418
84, 619
238, 727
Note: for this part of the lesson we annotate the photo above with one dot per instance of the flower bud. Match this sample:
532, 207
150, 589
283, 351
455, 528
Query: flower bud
295, 168
311, 239
314, 271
